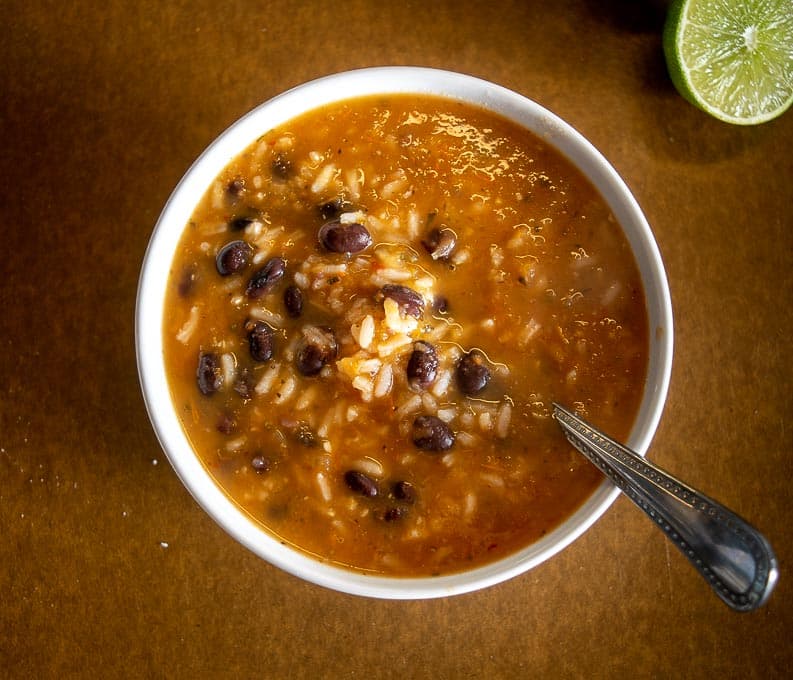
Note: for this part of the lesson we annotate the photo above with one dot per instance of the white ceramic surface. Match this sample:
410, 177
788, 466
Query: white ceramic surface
175, 215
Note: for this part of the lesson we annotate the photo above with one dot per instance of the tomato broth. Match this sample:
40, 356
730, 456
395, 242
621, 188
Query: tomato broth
369, 316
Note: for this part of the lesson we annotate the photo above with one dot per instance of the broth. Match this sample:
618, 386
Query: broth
368, 318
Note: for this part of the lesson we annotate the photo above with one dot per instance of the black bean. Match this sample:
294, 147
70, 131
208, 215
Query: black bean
310, 360
395, 513
333, 209
281, 167
187, 281
293, 301
472, 373
243, 385
430, 433
344, 238
233, 257
440, 304
405, 492
239, 223
235, 188
243, 217
226, 424
440, 243
423, 365
266, 278
304, 435
209, 374
260, 340
361, 483
261, 464
317, 347
410, 302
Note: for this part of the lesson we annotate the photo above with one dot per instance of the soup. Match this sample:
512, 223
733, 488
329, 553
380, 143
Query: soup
369, 316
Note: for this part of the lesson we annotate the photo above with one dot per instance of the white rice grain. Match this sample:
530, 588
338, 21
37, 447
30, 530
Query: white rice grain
262, 252
323, 178
228, 365
394, 343
470, 504
254, 230
415, 532
466, 439
187, 330
529, 330
501, 370
503, 420
384, 381
492, 479
213, 228
369, 466
218, 193
388, 275
467, 419
307, 398
283, 143
286, 390
424, 284
396, 185
264, 314
354, 179
441, 383
461, 256
413, 223
267, 380
496, 256
518, 239
369, 366
365, 332
352, 217
394, 319
330, 269
324, 487
447, 414
410, 405
611, 294
364, 386
429, 403
324, 426
393, 562
230, 285
374, 224
235, 444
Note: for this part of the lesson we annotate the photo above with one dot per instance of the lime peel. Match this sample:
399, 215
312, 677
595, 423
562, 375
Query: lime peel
732, 58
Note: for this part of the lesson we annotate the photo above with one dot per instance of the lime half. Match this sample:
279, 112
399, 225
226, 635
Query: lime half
732, 58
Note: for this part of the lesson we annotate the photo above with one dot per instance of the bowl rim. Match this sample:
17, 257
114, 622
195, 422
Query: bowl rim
341, 86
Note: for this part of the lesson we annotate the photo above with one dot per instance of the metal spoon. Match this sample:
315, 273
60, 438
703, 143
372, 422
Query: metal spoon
733, 557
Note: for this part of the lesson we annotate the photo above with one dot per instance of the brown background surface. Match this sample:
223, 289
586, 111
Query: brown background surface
105, 105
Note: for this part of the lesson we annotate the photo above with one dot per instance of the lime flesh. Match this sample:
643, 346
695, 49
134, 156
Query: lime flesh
732, 58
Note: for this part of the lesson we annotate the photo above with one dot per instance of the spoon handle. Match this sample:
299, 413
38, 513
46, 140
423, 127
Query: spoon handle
733, 557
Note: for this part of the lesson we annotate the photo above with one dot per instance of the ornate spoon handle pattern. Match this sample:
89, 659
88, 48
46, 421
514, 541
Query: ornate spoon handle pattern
733, 557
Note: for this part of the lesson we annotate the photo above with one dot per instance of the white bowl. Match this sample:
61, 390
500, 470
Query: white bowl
177, 212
